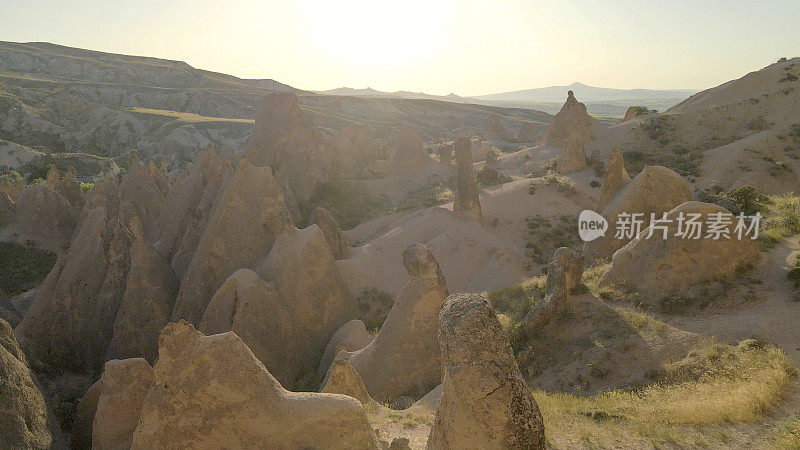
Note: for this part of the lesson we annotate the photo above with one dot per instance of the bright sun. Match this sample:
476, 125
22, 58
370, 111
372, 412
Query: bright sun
364, 32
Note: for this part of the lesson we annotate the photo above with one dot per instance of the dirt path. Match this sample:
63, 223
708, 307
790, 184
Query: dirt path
774, 318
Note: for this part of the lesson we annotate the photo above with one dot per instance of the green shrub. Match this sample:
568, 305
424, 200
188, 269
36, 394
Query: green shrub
594, 184
374, 305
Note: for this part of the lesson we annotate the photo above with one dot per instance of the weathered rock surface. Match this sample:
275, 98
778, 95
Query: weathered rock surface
283, 140
124, 385
615, 178
351, 337
405, 153
485, 402
343, 379
655, 190
573, 155
217, 382
353, 149
251, 307
140, 195
245, 220
311, 290
146, 305
83, 418
467, 202
68, 186
528, 133
330, 229
497, 132
6, 209
661, 265
23, 413
45, 217
564, 272
571, 120
403, 359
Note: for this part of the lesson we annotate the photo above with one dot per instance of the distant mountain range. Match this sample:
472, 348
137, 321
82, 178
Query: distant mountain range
369, 92
586, 93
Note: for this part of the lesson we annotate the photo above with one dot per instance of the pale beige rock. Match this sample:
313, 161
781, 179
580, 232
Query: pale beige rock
125, 383
343, 379
615, 178
83, 419
244, 221
406, 153
573, 155
146, 305
332, 232
528, 133
252, 308
655, 190
485, 402
496, 131
660, 265
211, 392
403, 359
23, 413
354, 149
564, 272
44, 217
351, 337
571, 120
140, 195
467, 202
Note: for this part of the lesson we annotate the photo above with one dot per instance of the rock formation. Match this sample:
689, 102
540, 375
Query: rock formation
83, 418
343, 379
655, 189
217, 382
406, 152
6, 209
124, 385
467, 202
573, 155
615, 178
564, 272
496, 132
351, 337
485, 402
403, 359
69, 187
139, 194
445, 153
146, 305
528, 133
284, 141
659, 265
251, 307
43, 216
245, 220
353, 149
23, 413
330, 229
571, 120
311, 290
490, 174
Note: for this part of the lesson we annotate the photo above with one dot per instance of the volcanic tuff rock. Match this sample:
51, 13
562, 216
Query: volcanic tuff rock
467, 201
571, 120
330, 229
406, 152
245, 220
251, 307
615, 178
528, 133
495, 131
655, 190
237, 402
124, 385
351, 337
660, 265
44, 216
23, 413
283, 140
403, 359
485, 402
564, 272
573, 155
343, 379
140, 194
83, 418
353, 149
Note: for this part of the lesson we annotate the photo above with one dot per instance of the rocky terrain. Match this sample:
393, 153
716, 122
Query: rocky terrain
347, 272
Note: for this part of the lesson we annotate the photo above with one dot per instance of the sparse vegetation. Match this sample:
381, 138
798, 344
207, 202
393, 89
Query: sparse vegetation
24, 267
562, 183
789, 77
374, 305
781, 220
349, 203
544, 236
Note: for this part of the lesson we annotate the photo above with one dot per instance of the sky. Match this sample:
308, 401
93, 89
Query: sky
468, 47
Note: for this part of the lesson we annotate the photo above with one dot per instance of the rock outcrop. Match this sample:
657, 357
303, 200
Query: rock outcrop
573, 155
284, 141
403, 359
245, 220
83, 418
406, 152
23, 413
343, 379
68, 186
571, 120
6, 209
485, 402
353, 149
467, 202
217, 382
43, 216
146, 305
445, 153
659, 265
496, 131
351, 337
139, 194
564, 272
251, 307
125, 383
330, 229
655, 190
528, 133
615, 178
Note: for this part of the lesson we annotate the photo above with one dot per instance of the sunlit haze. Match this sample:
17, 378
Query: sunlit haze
464, 46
